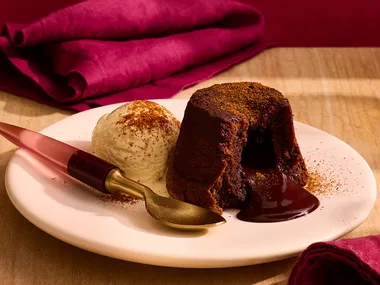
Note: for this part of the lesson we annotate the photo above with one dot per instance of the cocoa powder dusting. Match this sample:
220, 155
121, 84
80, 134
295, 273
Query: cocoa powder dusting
149, 116
258, 100
117, 198
321, 183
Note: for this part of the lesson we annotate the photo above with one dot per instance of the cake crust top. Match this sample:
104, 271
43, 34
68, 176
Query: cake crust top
247, 100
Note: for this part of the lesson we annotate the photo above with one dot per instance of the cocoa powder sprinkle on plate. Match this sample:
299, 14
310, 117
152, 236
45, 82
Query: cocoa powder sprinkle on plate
118, 198
322, 183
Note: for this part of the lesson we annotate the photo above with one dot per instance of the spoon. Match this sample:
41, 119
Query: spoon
108, 178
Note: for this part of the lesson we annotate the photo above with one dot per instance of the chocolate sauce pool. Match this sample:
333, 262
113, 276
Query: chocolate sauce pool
274, 198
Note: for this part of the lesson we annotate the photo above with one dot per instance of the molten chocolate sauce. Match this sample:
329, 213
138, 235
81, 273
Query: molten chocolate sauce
274, 198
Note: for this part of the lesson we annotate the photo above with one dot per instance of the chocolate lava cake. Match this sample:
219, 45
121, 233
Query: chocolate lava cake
227, 131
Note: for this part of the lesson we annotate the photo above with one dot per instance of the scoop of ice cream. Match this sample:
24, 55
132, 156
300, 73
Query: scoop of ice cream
138, 137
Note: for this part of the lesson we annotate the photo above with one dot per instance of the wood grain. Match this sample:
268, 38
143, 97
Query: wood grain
336, 90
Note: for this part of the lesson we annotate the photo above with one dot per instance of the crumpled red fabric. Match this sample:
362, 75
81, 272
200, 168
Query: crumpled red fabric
100, 52
353, 261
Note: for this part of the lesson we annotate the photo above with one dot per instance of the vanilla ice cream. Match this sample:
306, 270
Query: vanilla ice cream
138, 137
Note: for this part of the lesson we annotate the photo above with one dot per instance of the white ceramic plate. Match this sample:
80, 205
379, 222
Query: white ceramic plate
67, 209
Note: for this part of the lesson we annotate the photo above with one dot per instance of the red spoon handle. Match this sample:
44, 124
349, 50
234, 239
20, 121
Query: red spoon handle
89, 169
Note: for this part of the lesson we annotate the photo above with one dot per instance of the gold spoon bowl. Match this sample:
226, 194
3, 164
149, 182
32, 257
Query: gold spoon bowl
173, 213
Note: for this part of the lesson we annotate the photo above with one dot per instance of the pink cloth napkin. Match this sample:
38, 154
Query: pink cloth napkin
349, 261
108, 51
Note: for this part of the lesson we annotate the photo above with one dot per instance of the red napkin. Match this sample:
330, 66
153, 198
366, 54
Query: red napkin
108, 51
348, 261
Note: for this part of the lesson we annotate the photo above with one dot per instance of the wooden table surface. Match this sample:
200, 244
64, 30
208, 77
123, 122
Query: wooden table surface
336, 90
